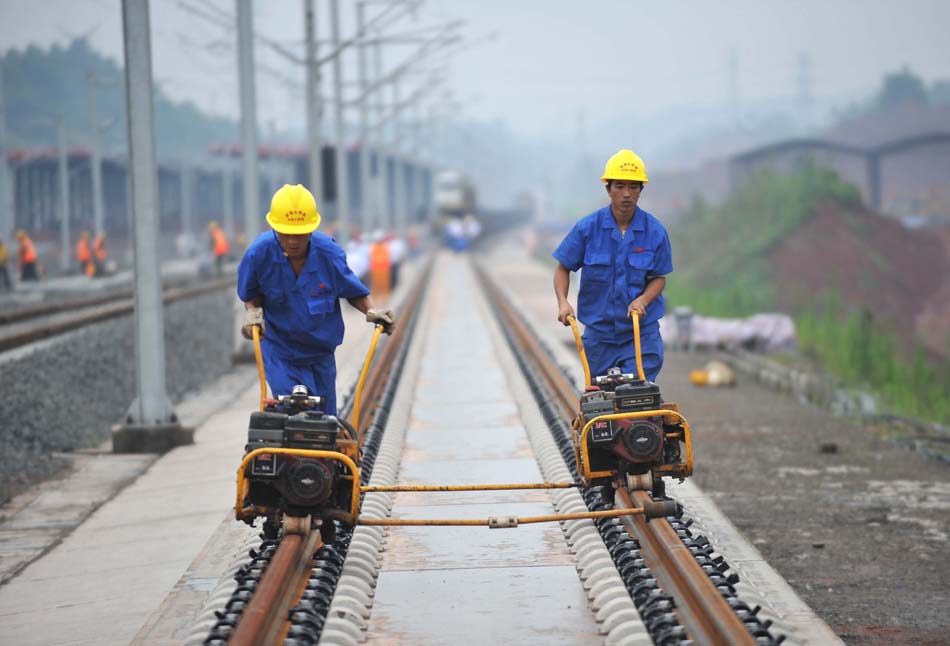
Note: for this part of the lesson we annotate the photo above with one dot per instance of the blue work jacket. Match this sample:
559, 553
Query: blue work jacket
302, 316
615, 270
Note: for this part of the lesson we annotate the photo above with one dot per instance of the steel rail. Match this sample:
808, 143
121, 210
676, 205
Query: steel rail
25, 333
702, 609
262, 622
46, 309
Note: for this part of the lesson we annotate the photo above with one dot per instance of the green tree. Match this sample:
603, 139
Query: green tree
901, 88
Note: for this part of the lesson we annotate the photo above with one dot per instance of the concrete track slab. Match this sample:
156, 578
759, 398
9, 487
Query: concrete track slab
467, 585
438, 548
515, 605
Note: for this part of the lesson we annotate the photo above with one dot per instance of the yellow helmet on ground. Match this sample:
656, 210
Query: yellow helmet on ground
293, 210
626, 166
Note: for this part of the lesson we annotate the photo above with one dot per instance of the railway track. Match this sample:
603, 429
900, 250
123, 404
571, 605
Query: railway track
298, 590
29, 325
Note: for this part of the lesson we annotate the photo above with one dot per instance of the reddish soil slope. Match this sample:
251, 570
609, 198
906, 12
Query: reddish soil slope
902, 276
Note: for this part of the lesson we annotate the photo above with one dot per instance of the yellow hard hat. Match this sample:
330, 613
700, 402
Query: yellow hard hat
20, 234
293, 210
212, 225
627, 166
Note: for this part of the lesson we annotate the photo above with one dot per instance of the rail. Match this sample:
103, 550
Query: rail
51, 323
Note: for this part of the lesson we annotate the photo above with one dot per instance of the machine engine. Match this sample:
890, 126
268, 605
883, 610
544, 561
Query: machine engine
633, 445
296, 485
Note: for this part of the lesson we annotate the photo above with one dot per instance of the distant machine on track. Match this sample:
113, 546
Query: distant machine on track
455, 201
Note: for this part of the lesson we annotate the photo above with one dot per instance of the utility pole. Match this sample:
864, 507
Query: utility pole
399, 178
95, 159
64, 195
252, 189
314, 103
184, 199
367, 208
734, 88
227, 198
805, 97
6, 187
342, 176
151, 424
383, 219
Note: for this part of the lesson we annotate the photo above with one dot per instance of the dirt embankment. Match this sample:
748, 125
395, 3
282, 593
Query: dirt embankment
901, 276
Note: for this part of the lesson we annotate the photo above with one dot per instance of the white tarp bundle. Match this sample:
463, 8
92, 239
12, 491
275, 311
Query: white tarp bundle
760, 332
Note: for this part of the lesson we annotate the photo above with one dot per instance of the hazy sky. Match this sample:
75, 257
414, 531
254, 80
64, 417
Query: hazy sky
549, 60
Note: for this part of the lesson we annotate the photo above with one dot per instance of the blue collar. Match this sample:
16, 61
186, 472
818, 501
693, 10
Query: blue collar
639, 222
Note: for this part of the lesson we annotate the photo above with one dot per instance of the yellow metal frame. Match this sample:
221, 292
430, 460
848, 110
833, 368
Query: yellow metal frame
358, 397
580, 349
259, 357
242, 485
582, 451
636, 344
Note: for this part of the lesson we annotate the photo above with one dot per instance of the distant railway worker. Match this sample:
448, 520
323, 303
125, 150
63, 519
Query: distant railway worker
99, 254
219, 245
291, 280
27, 256
5, 283
625, 256
380, 265
84, 254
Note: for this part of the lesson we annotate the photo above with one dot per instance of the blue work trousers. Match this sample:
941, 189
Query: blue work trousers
602, 356
318, 375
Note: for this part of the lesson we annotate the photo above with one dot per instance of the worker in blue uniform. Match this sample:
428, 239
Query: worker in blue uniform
291, 280
624, 254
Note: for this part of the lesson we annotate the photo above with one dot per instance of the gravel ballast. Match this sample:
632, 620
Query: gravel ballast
65, 393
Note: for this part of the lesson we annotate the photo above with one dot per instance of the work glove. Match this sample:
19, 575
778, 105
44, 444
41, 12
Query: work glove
386, 318
252, 317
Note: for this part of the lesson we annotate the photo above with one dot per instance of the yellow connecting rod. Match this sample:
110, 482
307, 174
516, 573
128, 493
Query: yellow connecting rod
496, 522
478, 487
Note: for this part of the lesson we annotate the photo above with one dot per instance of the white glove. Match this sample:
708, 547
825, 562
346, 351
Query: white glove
252, 317
386, 318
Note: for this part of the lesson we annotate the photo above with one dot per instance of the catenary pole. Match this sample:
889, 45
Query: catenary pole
64, 195
6, 186
314, 102
367, 206
342, 176
252, 189
151, 423
95, 159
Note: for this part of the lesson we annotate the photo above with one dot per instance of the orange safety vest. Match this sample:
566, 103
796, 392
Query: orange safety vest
99, 245
221, 246
82, 250
379, 259
27, 251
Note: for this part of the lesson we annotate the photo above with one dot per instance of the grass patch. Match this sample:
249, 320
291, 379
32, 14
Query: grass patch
722, 269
